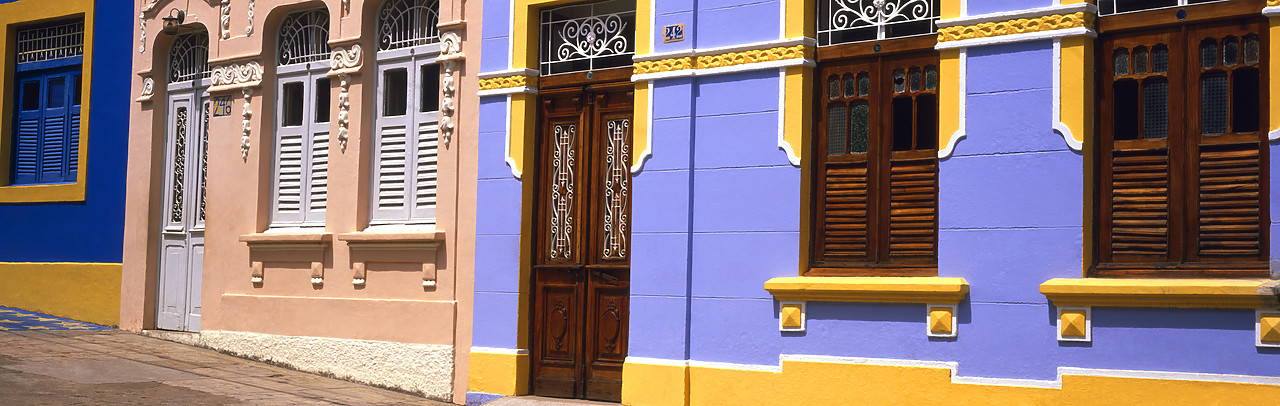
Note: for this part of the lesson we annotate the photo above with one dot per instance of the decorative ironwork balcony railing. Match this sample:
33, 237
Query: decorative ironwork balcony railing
51, 41
586, 37
845, 21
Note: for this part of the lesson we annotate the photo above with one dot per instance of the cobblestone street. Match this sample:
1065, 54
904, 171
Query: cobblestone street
62, 362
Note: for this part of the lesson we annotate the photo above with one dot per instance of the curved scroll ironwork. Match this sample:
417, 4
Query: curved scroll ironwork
189, 57
304, 37
842, 21
408, 23
587, 37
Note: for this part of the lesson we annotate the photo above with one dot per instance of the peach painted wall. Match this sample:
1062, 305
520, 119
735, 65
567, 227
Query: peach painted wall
392, 305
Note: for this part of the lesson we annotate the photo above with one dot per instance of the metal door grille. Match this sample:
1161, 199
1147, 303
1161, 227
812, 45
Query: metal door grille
586, 37
845, 21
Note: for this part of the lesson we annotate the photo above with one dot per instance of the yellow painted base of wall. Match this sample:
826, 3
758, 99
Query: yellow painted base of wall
85, 292
826, 383
503, 374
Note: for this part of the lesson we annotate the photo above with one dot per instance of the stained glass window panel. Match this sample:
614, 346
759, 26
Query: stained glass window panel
899, 81
1252, 48
864, 84
849, 86
1140, 59
833, 87
930, 77
1230, 51
860, 127
914, 75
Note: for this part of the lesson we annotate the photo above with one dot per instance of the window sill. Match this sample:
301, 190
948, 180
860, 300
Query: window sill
287, 240
1186, 293
874, 289
58, 192
392, 239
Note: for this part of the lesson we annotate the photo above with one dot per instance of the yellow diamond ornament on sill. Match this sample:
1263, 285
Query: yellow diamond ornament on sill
1270, 328
1073, 324
940, 321
791, 316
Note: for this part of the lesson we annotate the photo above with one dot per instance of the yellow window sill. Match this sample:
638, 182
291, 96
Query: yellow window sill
61, 192
1187, 293
869, 289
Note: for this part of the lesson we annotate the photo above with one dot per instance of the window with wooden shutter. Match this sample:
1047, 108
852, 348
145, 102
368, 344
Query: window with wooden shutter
877, 167
1182, 159
875, 173
302, 129
46, 125
407, 111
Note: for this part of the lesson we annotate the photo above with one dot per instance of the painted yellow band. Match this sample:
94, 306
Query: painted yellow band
869, 289
724, 60
797, 109
1189, 293
505, 82
81, 291
950, 98
640, 131
1274, 85
1016, 26
503, 374
838, 383
1076, 86
16, 13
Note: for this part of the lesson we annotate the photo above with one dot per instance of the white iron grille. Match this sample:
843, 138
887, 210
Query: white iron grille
189, 57
304, 37
50, 42
408, 23
845, 21
587, 37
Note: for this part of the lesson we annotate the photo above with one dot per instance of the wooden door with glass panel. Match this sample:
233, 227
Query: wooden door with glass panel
581, 273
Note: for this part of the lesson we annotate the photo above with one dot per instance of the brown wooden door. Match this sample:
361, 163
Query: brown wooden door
581, 274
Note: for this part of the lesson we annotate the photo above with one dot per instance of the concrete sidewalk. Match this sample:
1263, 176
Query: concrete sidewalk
111, 367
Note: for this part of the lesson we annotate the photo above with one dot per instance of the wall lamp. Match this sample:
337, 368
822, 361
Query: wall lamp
172, 22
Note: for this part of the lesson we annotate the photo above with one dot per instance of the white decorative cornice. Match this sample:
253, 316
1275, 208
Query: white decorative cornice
148, 89
1271, 11
1015, 38
236, 75
1013, 15
345, 61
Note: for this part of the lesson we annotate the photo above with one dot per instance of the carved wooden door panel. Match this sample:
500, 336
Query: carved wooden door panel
582, 269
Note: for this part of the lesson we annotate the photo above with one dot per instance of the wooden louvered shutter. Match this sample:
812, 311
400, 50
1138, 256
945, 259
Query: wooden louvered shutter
1182, 181
53, 128
27, 146
877, 182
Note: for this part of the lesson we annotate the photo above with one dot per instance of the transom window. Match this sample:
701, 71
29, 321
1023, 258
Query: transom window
304, 37
844, 21
585, 37
189, 57
1109, 7
408, 23
1182, 152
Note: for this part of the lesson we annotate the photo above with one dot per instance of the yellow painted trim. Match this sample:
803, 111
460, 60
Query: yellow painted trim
505, 82
523, 117
1076, 87
949, 9
24, 12
949, 119
80, 291
797, 109
644, 32
654, 384
1274, 85
801, 19
640, 147
869, 289
503, 374
1189, 293
724, 59
839, 383
1016, 26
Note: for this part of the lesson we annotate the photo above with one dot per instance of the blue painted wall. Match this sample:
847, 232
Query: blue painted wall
92, 230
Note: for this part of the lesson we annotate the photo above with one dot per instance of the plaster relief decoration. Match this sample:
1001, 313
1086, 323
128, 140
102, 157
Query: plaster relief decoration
226, 19
142, 34
451, 54
248, 30
148, 89
344, 109
245, 124
237, 75
1017, 26
346, 7
864, 20
344, 62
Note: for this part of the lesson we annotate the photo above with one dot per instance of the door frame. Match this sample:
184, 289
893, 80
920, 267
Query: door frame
195, 92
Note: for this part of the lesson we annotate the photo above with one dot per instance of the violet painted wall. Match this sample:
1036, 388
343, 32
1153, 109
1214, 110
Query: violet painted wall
716, 213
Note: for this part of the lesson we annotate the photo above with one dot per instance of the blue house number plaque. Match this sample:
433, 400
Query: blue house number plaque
673, 33
221, 106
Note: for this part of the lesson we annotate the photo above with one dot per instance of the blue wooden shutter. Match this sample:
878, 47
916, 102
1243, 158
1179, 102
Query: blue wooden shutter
47, 145
26, 152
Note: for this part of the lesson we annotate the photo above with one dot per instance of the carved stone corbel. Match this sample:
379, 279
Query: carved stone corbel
343, 62
450, 57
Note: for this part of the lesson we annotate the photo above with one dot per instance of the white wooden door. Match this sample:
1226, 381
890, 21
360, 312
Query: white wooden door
183, 214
